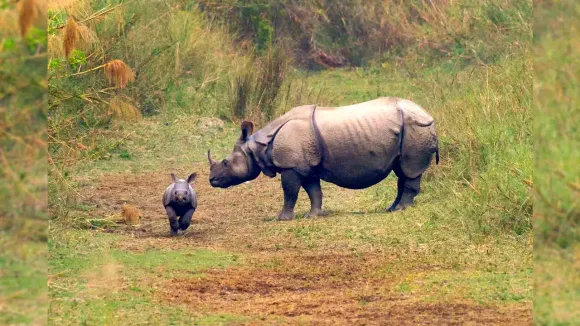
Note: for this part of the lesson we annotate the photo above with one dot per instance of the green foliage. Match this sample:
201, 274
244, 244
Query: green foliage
56, 19
77, 58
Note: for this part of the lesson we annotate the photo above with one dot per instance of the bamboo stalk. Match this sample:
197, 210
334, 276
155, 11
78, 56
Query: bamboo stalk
95, 15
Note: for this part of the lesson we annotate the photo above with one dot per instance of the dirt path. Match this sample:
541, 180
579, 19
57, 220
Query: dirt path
283, 276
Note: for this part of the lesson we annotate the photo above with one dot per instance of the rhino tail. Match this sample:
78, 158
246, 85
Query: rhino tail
437, 156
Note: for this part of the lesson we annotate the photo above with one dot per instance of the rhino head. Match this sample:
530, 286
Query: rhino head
239, 166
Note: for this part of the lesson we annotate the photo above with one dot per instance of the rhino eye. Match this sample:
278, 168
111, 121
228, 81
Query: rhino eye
225, 163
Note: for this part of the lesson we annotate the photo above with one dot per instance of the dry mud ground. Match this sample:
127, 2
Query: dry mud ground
299, 272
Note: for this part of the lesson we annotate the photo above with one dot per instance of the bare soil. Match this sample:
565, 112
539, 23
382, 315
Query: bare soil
275, 285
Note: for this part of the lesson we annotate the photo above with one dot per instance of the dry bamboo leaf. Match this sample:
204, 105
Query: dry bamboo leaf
118, 73
121, 108
26, 16
71, 36
88, 38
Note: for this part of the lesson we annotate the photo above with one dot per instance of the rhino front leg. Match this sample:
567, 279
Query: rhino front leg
173, 223
291, 183
312, 187
185, 220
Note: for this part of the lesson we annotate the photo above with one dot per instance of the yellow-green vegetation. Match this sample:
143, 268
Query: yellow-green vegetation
557, 175
23, 250
463, 254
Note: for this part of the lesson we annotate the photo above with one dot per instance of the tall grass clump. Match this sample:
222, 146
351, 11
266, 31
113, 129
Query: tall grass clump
486, 135
257, 91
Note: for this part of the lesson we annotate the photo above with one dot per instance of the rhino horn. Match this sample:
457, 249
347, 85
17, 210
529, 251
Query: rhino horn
211, 161
173, 177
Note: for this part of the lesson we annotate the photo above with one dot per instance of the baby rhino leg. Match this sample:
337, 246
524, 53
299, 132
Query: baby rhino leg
173, 223
185, 220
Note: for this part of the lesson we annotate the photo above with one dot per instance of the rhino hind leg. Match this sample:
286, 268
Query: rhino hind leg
407, 190
312, 187
291, 183
185, 220
411, 189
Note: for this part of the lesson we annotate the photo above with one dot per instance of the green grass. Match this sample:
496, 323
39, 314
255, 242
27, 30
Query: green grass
479, 286
23, 268
93, 281
191, 262
557, 173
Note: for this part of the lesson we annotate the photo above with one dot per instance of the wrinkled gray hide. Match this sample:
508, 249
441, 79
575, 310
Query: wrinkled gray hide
353, 146
180, 202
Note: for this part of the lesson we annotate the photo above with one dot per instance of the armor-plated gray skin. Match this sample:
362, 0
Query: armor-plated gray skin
180, 200
353, 146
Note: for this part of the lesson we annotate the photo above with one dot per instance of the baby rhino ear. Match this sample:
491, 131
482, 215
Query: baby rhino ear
192, 177
247, 130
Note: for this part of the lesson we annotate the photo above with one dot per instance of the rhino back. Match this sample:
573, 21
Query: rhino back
360, 142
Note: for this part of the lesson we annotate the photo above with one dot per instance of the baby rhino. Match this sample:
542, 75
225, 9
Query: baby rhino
180, 201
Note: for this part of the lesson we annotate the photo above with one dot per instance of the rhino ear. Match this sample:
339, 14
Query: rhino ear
247, 130
173, 178
192, 177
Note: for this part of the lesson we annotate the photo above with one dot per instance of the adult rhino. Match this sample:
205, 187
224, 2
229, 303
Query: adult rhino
353, 146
